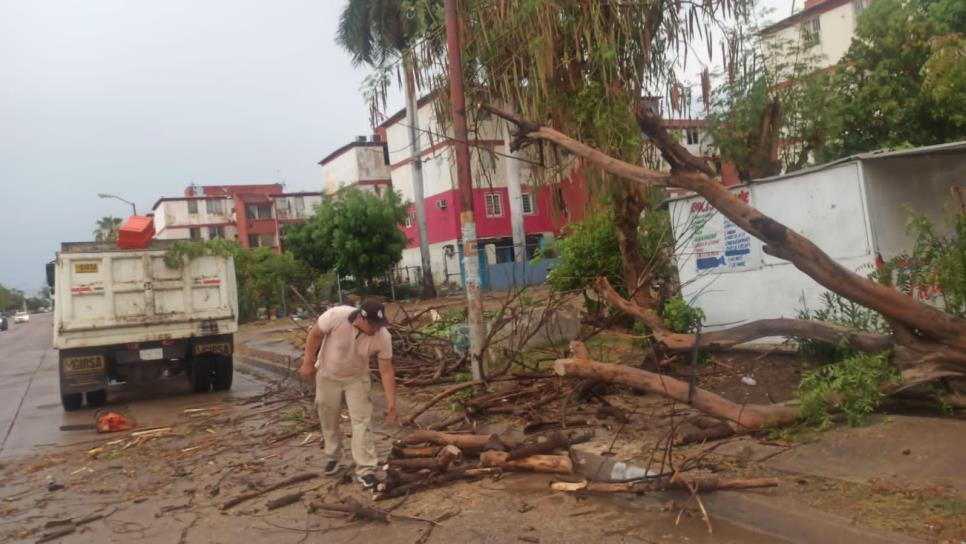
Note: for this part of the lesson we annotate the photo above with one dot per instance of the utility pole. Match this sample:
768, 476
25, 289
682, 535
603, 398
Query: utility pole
415, 149
516, 199
471, 263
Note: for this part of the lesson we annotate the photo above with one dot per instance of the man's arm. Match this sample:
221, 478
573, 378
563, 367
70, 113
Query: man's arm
312, 343
388, 374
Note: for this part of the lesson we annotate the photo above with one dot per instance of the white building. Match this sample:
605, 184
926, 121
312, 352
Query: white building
363, 163
855, 209
820, 34
212, 212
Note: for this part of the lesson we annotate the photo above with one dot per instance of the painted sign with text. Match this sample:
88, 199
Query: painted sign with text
718, 244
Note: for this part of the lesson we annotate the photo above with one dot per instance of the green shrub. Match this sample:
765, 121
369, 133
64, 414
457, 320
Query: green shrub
840, 311
679, 316
853, 384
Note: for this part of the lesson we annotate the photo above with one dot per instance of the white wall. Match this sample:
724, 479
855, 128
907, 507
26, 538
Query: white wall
175, 212
898, 186
184, 233
837, 29
340, 171
827, 207
438, 260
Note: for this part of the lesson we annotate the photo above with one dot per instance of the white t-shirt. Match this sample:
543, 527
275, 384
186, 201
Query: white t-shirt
346, 350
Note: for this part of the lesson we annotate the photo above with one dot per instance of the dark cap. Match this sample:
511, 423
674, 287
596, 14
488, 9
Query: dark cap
373, 310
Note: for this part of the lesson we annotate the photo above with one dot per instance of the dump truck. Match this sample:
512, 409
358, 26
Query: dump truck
124, 315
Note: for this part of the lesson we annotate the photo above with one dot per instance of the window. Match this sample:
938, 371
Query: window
194, 232
858, 6
216, 233
300, 204
410, 218
215, 207
258, 211
253, 240
693, 137
193, 206
811, 32
494, 204
527, 200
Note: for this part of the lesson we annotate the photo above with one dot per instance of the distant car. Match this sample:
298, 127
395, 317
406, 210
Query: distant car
3, 322
21, 317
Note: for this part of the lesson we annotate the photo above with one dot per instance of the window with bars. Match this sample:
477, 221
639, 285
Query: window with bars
194, 233
410, 218
693, 136
215, 207
528, 207
811, 32
193, 206
216, 233
494, 204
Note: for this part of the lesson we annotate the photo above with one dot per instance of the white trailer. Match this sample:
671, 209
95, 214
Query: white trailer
124, 315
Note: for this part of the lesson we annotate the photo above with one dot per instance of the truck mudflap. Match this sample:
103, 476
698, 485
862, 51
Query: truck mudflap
82, 371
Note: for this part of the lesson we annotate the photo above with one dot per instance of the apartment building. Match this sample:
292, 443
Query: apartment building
254, 215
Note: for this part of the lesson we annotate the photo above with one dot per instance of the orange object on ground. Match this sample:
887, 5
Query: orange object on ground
136, 232
113, 422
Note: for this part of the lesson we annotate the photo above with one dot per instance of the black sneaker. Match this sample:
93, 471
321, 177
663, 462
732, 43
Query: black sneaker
332, 467
368, 481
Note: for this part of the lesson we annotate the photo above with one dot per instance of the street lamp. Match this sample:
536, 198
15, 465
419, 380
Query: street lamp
106, 195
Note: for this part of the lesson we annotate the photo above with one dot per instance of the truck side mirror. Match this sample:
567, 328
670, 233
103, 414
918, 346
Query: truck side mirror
50, 275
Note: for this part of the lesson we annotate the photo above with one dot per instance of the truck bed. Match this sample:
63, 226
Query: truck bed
107, 295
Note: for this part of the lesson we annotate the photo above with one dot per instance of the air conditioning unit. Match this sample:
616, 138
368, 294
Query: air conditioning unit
441, 204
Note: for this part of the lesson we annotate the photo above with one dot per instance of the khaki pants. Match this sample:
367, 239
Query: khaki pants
328, 402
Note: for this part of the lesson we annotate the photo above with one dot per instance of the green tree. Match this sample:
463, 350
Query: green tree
885, 94
107, 228
354, 232
375, 32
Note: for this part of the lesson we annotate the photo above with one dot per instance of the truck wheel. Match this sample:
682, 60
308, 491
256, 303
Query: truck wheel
72, 401
96, 398
200, 374
224, 370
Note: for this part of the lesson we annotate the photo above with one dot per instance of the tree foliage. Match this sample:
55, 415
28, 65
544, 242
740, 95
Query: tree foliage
905, 56
354, 232
901, 83
107, 228
263, 277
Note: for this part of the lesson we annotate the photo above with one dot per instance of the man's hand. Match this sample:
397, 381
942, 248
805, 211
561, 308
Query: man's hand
391, 416
307, 372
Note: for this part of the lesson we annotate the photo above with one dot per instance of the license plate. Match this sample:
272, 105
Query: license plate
152, 354
217, 349
83, 365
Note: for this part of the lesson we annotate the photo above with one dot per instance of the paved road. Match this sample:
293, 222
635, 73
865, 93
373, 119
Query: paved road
30, 411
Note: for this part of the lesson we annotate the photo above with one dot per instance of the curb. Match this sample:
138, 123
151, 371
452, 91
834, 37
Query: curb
791, 521
269, 366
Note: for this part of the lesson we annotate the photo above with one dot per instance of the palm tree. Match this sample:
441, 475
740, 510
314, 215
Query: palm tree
107, 228
374, 31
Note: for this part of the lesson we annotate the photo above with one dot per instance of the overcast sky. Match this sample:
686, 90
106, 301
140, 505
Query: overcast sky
142, 98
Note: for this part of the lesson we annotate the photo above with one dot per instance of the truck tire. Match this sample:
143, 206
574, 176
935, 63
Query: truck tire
72, 401
96, 399
200, 374
224, 371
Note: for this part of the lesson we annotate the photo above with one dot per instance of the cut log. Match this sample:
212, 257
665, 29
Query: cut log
467, 443
548, 464
549, 443
410, 453
711, 433
706, 484
738, 416
284, 500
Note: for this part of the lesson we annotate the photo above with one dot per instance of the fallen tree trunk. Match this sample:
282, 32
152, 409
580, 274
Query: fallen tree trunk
943, 333
551, 442
440, 463
731, 337
706, 484
737, 416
